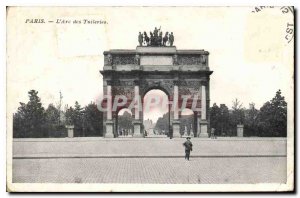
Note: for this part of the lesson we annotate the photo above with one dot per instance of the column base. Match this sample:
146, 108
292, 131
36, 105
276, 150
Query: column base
203, 129
109, 124
176, 129
137, 126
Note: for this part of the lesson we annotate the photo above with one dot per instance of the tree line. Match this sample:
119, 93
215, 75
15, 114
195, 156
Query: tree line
32, 120
268, 121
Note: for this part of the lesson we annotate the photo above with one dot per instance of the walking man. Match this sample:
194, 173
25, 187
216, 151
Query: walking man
188, 148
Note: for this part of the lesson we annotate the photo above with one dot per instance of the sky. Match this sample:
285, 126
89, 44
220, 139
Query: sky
249, 54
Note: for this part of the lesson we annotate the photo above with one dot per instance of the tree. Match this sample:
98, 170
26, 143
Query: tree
224, 120
251, 121
30, 119
78, 120
93, 120
70, 118
215, 115
125, 121
237, 116
52, 120
162, 124
74, 116
273, 117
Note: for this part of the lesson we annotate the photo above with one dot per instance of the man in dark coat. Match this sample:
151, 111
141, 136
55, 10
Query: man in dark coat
188, 148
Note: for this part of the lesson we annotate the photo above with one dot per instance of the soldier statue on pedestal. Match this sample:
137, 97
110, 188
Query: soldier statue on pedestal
165, 39
146, 38
171, 39
140, 39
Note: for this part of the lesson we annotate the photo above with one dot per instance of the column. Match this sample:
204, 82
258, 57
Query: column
137, 122
203, 103
109, 124
176, 121
109, 102
203, 120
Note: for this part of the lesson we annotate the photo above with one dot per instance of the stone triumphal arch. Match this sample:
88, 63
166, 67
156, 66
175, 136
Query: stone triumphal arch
178, 73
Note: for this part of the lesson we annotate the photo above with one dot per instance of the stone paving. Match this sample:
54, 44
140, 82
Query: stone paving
143, 160
99, 147
151, 170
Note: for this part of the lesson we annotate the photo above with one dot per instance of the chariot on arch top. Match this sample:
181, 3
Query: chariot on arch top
156, 38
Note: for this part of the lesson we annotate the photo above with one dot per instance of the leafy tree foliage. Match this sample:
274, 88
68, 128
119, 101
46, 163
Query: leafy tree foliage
162, 124
33, 121
53, 126
273, 117
30, 119
93, 120
251, 121
237, 116
125, 121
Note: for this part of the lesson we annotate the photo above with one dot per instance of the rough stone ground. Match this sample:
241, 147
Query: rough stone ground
96, 160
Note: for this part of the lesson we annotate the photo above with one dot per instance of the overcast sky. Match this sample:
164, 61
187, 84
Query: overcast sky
249, 54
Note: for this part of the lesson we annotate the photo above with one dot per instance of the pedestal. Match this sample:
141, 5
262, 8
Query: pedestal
176, 129
137, 128
203, 129
240, 130
70, 129
109, 129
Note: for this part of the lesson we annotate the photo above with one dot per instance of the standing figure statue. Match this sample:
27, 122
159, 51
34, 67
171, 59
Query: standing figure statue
140, 39
151, 39
109, 59
160, 38
155, 32
146, 38
137, 59
171, 39
165, 39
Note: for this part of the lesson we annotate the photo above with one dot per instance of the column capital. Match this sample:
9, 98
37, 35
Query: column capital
109, 82
176, 82
136, 82
203, 83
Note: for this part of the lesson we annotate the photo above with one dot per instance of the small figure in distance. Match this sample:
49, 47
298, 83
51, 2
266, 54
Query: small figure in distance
188, 148
171, 39
140, 39
212, 133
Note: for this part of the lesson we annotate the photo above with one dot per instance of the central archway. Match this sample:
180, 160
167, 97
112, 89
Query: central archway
156, 113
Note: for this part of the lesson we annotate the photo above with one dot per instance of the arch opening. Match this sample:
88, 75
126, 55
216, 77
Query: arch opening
156, 113
124, 123
188, 122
